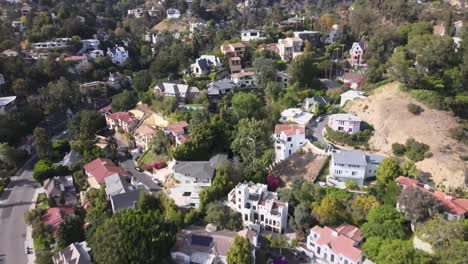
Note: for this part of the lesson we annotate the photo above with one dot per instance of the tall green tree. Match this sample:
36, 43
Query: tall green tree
43, 143
124, 101
388, 170
71, 230
385, 222
240, 253
246, 105
85, 124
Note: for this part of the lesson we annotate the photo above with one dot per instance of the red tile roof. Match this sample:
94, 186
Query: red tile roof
450, 203
101, 168
75, 58
105, 109
289, 130
338, 242
55, 216
177, 128
123, 116
353, 77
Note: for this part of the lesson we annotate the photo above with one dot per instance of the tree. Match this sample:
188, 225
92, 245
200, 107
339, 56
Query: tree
20, 87
43, 144
418, 205
385, 222
133, 236
329, 212
360, 207
246, 105
217, 213
51, 201
239, 253
44, 170
85, 124
302, 217
265, 70
400, 252
44, 258
303, 69
123, 101
372, 247
61, 94
32, 216
440, 233
8, 155
71, 230
387, 170
222, 184
141, 80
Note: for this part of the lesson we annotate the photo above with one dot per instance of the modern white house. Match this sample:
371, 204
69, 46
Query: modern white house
244, 78
352, 165
260, 208
288, 139
173, 13
296, 115
351, 95
94, 54
336, 245
348, 123
204, 64
251, 34
137, 12
118, 55
57, 43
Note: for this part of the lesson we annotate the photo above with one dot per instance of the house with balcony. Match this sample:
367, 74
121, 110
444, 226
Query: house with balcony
260, 208
236, 49
251, 34
173, 13
347, 123
357, 54
118, 55
244, 79
289, 48
58, 43
121, 120
288, 140
143, 136
182, 92
297, 116
351, 95
336, 245
352, 165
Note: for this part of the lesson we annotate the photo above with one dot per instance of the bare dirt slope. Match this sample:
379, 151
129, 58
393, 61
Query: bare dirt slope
386, 109
299, 166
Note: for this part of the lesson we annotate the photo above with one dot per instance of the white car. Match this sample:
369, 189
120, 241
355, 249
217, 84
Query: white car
157, 181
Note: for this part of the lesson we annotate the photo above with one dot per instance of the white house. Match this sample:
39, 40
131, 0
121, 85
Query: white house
7, 104
94, 54
251, 34
335, 32
118, 55
244, 78
352, 165
182, 92
57, 43
260, 209
289, 48
204, 64
336, 245
297, 116
173, 13
137, 12
288, 139
351, 95
348, 123
357, 54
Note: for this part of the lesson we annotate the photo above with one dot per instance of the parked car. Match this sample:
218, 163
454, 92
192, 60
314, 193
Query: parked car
319, 119
138, 169
158, 182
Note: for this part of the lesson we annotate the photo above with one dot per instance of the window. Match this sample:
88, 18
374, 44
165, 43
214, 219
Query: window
289, 139
354, 173
255, 207
239, 200
332, 258
311, 244
318, 250
246, 217
262, 218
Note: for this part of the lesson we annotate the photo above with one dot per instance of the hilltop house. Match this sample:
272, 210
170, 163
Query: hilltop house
260, 209
454, 208
348, 123
58, 43
118, 55
357, 54
235, 53
352, 80
143, 136
204, 64
7, 104
178, 132
75, 253
251, 34
289, 48
288, 139
351, 95
244, 78
336, 245
99, 169
352, 165
182, 92
61, 189
193, 176
296, 115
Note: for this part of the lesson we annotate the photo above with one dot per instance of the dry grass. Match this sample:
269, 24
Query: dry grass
299, 166
387, 112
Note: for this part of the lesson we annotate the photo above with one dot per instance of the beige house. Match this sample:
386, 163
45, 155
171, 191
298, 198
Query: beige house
233, 49
143, 136
99, 169
289, 48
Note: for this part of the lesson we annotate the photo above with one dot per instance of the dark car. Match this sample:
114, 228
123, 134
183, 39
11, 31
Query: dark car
138, 169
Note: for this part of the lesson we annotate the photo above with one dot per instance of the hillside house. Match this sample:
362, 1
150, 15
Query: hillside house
351, 95
118, 55
173, 13
309, 103
289, 48
217, 89
236, 49
79, 63
121, 193
260, 208
182, 92
352, 79
314, 37
75, 253
143, 136
178, 132
357, 54
61, 189
99, 169
124, 121
244, 78
283, 79
251, 34
336, 245
296, 115
58, 43
204, 64
335, 33
235, 64
288, 140
352, 165
348, 123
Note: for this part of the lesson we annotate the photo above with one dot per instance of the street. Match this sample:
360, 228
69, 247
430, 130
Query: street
129, 166
14, 201
317, 129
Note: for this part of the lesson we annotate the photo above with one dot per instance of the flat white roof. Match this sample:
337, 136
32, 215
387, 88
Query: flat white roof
6, 100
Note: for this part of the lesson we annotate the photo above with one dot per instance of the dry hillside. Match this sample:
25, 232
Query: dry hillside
386, 109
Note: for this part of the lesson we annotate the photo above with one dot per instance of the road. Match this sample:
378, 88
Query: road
129, 166
317, 129
14, 201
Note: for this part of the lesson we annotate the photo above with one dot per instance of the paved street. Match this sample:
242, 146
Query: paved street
129, 166
13, 203
317, 129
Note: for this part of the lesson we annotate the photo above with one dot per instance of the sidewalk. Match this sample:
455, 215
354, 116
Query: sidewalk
29, 241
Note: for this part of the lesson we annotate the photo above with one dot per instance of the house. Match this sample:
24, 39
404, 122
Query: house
121, 193
296, 115
116, 184
137, 12
195, 245
351, 95
178, 132
289, 48
296, 20
75, 253
58, 43
347, 123
182, 92
193, 176
118, 55
244, 78
251, 34
143, 136
126, 200
204, 64
80, 63
53, 217
260, 209
454, 208
218, 89
309, 103
335, 32
25, 10
352, 80
233, 49
89, 44
288, 139
357, 54
61, 189
235, 64
116, 80
336, 245
9, 53
106, 110
71, 158
173, 13
7, 104
94, 54
121, 120
283, 79
17, 26
98, 169
314, 37
352, 165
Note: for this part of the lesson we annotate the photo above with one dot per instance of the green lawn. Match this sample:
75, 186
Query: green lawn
41, 202
39, 243
150, 157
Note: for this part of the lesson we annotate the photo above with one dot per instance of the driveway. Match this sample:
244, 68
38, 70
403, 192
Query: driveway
14, 201
129, 165
317, 129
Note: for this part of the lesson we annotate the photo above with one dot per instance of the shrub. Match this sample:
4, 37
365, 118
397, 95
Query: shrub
272, 182
351, 185
415, 109
398, 149
355, 140
415, 150
464, 157
431, 98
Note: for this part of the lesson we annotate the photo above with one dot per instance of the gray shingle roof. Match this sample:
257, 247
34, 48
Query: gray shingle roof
125, 200
116, 184
199, 169
350, 157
